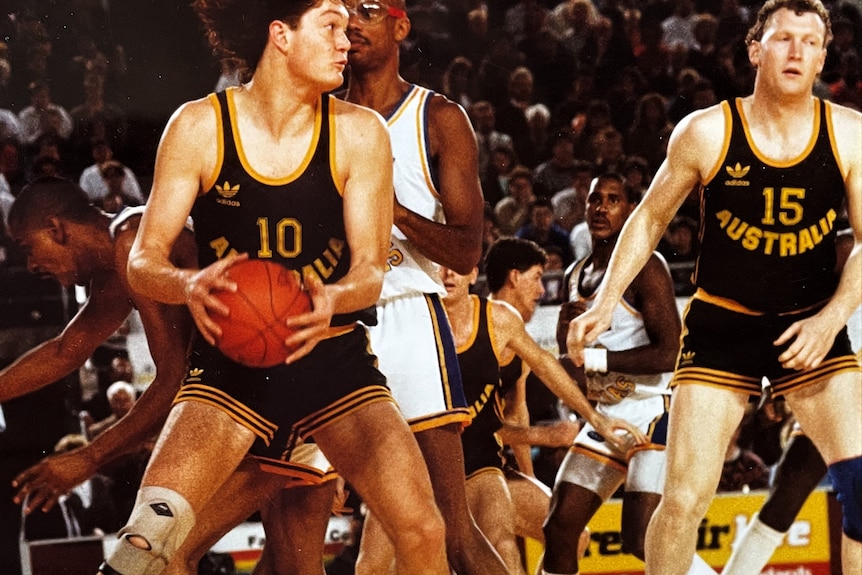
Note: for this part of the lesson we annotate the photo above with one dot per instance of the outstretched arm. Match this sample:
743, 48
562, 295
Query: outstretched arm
100, 316
168, 332
512, 333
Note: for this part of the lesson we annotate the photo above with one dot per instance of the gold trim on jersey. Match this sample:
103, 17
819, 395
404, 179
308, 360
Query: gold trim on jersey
830, 367
423, 94
458, 415
333, 165
717, 378
735, 306
812, 140
474, 330
211, 180
830, 129
441, 353
243, 159
237, 411
339, 409
725, 145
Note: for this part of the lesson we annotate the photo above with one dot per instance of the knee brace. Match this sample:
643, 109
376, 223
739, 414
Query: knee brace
162, 519
846, 479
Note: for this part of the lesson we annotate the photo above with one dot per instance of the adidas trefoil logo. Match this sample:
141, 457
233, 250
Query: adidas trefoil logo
227, 191
737, 172
687, 358
195, 372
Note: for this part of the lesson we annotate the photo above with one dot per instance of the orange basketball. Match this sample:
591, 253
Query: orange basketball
267, 294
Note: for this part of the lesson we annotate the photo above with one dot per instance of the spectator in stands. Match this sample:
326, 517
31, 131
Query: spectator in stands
571, 21
638, 175
43, 116
117, 197
681, 104
678, 28
542, 229
10, 127
557, 172
93, 182
121, 397
495, 179
654, 58
459, 82
524, 19
570, 203
610, 154
650, 130
497, 65
484, 119
513, 211
96, 120
511, 115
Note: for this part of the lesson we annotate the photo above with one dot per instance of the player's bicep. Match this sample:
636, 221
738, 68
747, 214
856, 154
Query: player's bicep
185, 151
368, 189
457, 169
658, 305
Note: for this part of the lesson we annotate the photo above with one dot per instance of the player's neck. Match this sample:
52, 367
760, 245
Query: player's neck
777, 109
380, 89
278, 108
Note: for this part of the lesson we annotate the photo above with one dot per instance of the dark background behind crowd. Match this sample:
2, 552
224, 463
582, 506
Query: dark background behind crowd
558, 91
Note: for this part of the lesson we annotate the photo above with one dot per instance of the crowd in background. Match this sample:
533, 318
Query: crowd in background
558, 92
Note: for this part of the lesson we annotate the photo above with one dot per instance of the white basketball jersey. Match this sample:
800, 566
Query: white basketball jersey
408, 271
627, 331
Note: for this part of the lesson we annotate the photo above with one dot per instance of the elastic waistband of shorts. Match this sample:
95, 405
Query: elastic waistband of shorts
735, 306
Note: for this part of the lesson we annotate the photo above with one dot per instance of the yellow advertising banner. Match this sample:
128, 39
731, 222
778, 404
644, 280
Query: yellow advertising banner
804, 551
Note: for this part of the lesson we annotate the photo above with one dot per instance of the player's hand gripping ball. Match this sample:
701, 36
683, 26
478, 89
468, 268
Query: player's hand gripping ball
267, 295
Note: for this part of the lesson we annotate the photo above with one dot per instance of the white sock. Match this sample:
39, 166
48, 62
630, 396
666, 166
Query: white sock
753, 550
700, 567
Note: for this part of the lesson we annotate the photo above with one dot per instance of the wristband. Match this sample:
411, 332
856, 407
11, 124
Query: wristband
596, 360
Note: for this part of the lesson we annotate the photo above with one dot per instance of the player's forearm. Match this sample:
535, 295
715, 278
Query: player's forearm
648, 359
555, 378
39, 367
158, 278
359, 289
455, 247
848, 295
142, 422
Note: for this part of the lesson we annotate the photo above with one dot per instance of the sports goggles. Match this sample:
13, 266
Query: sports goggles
373, 12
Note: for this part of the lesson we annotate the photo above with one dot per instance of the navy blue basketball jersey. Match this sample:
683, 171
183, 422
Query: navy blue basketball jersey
768, 228
296, 220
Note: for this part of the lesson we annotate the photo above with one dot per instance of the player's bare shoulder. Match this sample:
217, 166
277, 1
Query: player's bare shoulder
358, 128
448, 123
847, 127
700, 137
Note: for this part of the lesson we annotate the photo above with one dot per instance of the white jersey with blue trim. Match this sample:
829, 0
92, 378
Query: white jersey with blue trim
409, 271
627, 331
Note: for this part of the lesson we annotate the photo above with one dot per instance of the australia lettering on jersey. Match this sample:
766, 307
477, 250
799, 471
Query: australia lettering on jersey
322, 266
480, 403
781, 244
